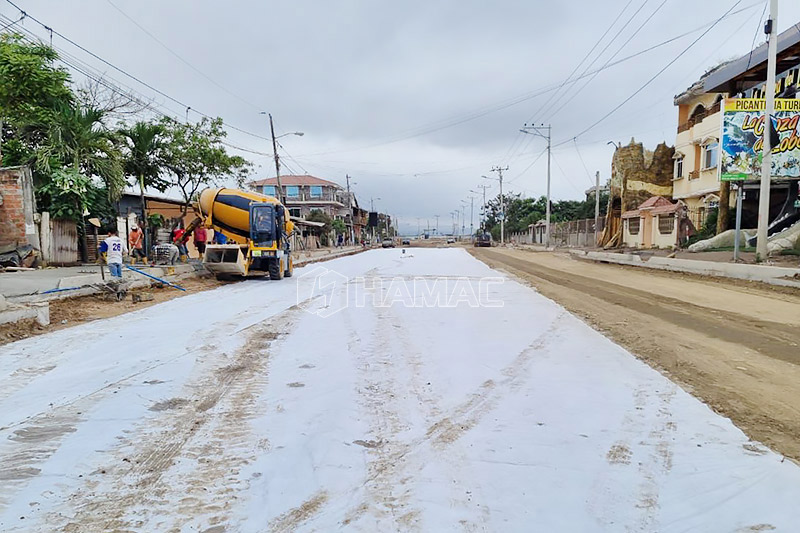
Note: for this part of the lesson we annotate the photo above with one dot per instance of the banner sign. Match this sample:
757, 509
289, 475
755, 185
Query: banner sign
743, 139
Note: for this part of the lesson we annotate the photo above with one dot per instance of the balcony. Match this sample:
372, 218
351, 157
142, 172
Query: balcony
697, 118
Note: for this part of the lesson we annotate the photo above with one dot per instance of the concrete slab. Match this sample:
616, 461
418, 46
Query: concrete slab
38, 311
788, 277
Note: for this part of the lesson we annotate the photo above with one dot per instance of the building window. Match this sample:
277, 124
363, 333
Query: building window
666, 224
292, 191
316, 191
269, 190
710, 154
633, 226
678, 174
294, 212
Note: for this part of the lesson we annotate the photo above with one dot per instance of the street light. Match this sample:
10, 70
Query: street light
298, 133
275, 155
537, 130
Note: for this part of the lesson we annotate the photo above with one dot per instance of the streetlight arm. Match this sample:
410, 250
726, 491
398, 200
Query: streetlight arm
298, 133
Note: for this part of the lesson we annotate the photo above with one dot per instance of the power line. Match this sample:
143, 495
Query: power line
755, 34
652, 79
588, 174
512, 180
621, 47
182, 59
513, 150
609, 43
131, 76
12, 23
504, 104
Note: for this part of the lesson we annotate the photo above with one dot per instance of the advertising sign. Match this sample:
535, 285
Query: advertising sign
743, 139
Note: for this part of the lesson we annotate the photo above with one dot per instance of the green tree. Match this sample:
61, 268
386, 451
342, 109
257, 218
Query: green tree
78, 138
319, 216
32, 90
143, 161
339, 226
195, 154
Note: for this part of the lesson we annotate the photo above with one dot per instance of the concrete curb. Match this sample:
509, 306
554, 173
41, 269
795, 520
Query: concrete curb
786, 277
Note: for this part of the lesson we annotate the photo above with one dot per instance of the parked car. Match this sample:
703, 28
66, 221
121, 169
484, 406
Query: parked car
406, 242
450, 240
483, 240
387, 243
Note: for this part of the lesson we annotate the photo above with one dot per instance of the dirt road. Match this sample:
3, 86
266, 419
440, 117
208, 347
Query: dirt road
735, 345
394, 390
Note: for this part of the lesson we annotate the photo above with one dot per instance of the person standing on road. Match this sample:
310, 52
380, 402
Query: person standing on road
136, 244
220, 238
114, 248
200, 237
179, 239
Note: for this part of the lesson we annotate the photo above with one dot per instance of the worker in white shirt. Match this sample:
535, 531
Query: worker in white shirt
114, 248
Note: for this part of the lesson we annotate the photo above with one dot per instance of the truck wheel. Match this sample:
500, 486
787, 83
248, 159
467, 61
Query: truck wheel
289, 267
275, 271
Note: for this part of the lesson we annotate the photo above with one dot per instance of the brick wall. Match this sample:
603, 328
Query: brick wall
16, 211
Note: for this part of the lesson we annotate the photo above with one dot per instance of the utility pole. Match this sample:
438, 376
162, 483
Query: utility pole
377, 218
483, 206
463, 217
538, 130
281, 194
350, 209
766, 162
596, 206
471, 217
437, 224
499, 171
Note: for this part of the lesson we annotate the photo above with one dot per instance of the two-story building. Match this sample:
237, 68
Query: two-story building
695, 177
304, 194
697, 151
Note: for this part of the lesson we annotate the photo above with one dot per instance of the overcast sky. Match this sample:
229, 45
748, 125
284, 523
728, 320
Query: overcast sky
416, 99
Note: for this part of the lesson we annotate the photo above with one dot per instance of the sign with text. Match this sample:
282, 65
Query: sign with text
743, 139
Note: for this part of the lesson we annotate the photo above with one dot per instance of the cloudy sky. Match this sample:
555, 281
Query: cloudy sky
416, 100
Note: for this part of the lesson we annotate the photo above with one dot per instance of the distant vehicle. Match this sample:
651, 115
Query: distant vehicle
387, 243
406, 242
484, 240
450, 240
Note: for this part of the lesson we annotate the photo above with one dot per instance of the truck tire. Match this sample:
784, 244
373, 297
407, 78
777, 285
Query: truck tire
275, 272
289, 267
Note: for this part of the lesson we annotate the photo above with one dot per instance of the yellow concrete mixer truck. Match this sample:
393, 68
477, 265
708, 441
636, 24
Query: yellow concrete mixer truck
257, 228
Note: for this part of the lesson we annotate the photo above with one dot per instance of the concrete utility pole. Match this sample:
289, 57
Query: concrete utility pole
770, 29
350, 209
463, 217
596, 206
537, 130
483, 206
499, 171
377, 218
471, 217
281, 194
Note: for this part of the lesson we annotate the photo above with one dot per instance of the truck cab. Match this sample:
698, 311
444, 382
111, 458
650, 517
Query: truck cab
269, 244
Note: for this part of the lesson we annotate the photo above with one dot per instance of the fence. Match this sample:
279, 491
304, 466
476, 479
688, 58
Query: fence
574, 233
64, 242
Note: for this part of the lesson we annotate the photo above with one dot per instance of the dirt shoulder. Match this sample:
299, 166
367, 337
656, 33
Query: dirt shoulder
735, 345
70, 312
